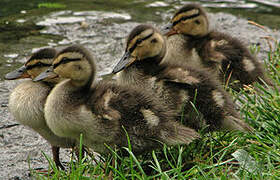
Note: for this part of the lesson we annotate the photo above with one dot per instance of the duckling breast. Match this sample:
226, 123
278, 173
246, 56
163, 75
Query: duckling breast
26, 103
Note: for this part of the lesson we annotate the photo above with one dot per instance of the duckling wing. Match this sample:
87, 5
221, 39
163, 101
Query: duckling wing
234, 59
180, 75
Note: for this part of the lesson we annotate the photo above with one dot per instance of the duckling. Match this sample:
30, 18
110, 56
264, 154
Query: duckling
190, 41
103, 111
26, 102
177, 84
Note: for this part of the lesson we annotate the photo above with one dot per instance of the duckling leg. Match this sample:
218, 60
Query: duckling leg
110, 175
55, 152
77, 152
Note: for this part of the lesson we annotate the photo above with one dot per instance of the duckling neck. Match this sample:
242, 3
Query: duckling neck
140, 72
75, 88
80, 85
49, 84
149, 66
66, 94
196, 41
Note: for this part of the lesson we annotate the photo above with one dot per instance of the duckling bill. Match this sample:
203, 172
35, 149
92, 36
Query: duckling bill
17, 74
103, 111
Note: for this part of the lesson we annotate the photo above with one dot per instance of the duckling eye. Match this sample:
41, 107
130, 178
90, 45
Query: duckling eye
197, 22
153, 40
139, 41
64, 59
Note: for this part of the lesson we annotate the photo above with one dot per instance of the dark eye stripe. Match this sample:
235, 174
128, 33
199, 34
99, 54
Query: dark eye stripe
138, 42
184, 18
40, 64
65, 60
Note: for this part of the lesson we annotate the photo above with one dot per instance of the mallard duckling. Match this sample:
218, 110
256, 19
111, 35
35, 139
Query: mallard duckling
190, 41
103, 111
26, 102
177, 84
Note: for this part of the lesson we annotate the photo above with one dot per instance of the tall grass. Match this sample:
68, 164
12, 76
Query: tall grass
217, 155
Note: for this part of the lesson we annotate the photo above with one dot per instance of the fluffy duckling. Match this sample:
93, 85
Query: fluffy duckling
190, 41
103, 111
26, 102
177, 84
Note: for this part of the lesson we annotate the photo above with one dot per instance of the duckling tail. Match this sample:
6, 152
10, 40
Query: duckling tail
233, 123
180, 135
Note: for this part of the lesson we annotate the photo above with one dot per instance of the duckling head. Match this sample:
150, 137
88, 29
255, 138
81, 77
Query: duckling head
190, 20
74, 63
36, 64
144, 43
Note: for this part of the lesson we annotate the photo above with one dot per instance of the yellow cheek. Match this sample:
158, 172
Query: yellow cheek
145, 51
176, 27
134, 53
180, 28
30, 73
59, 71
34, 72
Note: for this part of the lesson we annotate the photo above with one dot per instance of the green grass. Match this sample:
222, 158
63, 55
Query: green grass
52, 5
217, 155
